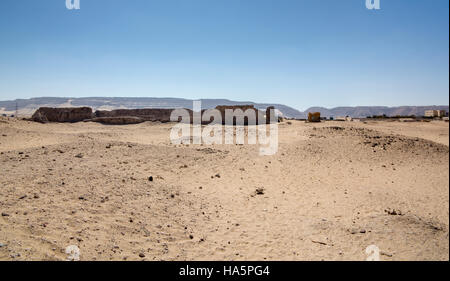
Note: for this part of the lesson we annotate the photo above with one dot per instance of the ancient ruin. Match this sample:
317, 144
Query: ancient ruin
75, 114
135, 116
237, 114
147, 114
122, 120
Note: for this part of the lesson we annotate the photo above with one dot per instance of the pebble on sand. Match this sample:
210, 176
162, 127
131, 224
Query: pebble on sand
260, 191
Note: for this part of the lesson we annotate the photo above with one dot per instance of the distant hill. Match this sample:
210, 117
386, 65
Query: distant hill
28, 106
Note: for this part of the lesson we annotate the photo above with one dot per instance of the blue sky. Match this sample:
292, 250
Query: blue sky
297, 52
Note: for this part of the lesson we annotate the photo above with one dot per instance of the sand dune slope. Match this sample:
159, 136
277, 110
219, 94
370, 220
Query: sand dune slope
331, 190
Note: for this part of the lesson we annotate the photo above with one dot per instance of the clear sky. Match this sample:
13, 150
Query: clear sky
297, 52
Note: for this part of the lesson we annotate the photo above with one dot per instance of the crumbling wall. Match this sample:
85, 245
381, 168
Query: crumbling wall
134, 116
70, 114
269, 111
223, 108
118, 120
147, 114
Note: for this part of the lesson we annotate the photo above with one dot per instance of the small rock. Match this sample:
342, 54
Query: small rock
5, 215
393, 212
141, 255
386, 254
79, 155
260, 191
150, 178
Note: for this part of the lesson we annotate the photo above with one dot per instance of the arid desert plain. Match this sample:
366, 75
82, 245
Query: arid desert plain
128, 193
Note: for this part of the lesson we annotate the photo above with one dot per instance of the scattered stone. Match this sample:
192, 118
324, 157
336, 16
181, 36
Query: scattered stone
394, 212
141, 255
386, 254
23, 197
5, 215
319, 242
150, 178
260, 191
191, 236
217, 175
2, 245
79, 155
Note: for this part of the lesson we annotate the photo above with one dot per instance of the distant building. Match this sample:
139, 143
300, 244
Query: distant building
442, 113
435, 113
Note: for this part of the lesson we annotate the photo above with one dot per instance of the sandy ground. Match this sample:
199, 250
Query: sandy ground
332, 190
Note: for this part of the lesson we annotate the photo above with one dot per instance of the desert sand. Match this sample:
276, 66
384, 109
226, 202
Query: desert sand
333, 189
